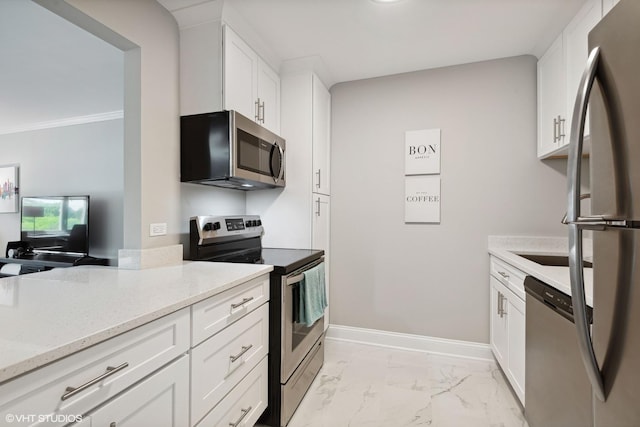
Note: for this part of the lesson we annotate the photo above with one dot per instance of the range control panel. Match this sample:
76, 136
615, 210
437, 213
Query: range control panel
215, 228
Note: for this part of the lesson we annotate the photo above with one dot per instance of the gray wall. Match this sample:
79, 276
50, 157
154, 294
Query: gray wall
429, 279
148, 35
72, 160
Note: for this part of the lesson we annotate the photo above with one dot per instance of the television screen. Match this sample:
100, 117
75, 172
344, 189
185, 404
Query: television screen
56, 224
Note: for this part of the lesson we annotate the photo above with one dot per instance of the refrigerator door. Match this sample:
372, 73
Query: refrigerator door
615, 190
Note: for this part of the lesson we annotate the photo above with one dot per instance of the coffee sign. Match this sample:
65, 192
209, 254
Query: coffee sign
422, 152
422, 198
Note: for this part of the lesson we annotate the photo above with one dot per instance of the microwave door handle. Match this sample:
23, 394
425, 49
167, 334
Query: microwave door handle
281, 172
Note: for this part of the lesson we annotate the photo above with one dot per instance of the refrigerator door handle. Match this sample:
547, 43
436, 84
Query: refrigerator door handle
575, 226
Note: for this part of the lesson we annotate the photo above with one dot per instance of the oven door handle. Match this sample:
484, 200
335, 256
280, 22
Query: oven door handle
294, 279
298, 277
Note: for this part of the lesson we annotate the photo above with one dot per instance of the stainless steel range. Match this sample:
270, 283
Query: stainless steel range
296, 351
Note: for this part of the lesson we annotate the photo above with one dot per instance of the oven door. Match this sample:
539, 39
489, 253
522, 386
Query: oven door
297, 339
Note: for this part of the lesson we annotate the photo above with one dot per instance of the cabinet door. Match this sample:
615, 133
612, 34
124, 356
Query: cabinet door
320, 238
515, 313
160, 400
321, 137
240, 63
498, 322
551, 99
268, 97
576, 54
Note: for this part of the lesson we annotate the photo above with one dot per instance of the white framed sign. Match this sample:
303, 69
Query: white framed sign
422, 198
422, 152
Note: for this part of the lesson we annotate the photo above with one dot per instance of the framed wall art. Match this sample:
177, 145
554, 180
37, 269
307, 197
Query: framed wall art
422, 152
422, 199
9, 189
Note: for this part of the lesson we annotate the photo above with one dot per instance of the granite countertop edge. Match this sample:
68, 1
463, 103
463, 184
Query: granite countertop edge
149, 293
506, 248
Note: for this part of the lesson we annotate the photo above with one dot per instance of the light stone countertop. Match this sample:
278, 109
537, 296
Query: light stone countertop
506, 248
47, 316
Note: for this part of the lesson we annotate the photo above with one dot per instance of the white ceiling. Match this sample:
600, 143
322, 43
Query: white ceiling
53, 70
359, 39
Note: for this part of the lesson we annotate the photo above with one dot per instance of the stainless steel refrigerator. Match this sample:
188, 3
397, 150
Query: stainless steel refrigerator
611, 87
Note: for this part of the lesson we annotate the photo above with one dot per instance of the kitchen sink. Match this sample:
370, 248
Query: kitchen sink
552, 260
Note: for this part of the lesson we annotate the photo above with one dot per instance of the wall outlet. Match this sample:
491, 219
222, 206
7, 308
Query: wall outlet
158, 229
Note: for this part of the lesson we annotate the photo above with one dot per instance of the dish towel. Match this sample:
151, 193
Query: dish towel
313, 296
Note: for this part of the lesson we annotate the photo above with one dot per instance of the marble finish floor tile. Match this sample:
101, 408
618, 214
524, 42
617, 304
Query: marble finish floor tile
368, 386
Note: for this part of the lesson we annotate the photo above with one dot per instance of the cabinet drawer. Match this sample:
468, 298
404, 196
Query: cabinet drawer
134, 354
219, 363
161, 400
509, 276
246, 402
216, 313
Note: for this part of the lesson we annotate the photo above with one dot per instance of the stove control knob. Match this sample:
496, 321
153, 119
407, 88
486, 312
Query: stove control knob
258, 223
211, 226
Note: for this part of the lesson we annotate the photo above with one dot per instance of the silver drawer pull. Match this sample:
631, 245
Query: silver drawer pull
503, 274
239, 355
72, 391
239, 420
241, 303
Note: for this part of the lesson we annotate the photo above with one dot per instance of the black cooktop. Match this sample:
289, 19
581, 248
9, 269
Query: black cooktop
286, 261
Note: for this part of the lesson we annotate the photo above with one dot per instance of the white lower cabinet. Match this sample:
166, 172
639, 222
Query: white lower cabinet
162, 400
222, 361
85, 380
244, 404
155, 375
507, 323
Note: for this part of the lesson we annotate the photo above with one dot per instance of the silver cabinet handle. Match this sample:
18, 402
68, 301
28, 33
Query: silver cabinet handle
576, 273
239, 355
72, 391
239, 420
503, 274
257, 110
558, 129
319, 179
261, 108
241, 303
501, 299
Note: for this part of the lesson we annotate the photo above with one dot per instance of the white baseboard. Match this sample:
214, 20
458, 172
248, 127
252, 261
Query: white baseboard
466, 349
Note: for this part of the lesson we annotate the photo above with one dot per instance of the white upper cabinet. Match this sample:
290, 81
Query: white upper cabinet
321, 137
268, 97
551, 100
251, 87
240, 78
577, 51
559, 72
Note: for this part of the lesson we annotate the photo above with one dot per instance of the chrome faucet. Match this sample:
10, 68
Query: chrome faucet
582, 197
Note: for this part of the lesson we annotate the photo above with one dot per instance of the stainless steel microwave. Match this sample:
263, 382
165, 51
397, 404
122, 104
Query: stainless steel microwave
226, 149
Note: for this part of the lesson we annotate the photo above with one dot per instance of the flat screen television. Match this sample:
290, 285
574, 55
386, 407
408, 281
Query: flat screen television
56, 224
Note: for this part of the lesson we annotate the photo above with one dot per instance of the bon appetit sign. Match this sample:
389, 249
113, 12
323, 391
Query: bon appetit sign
422, 152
